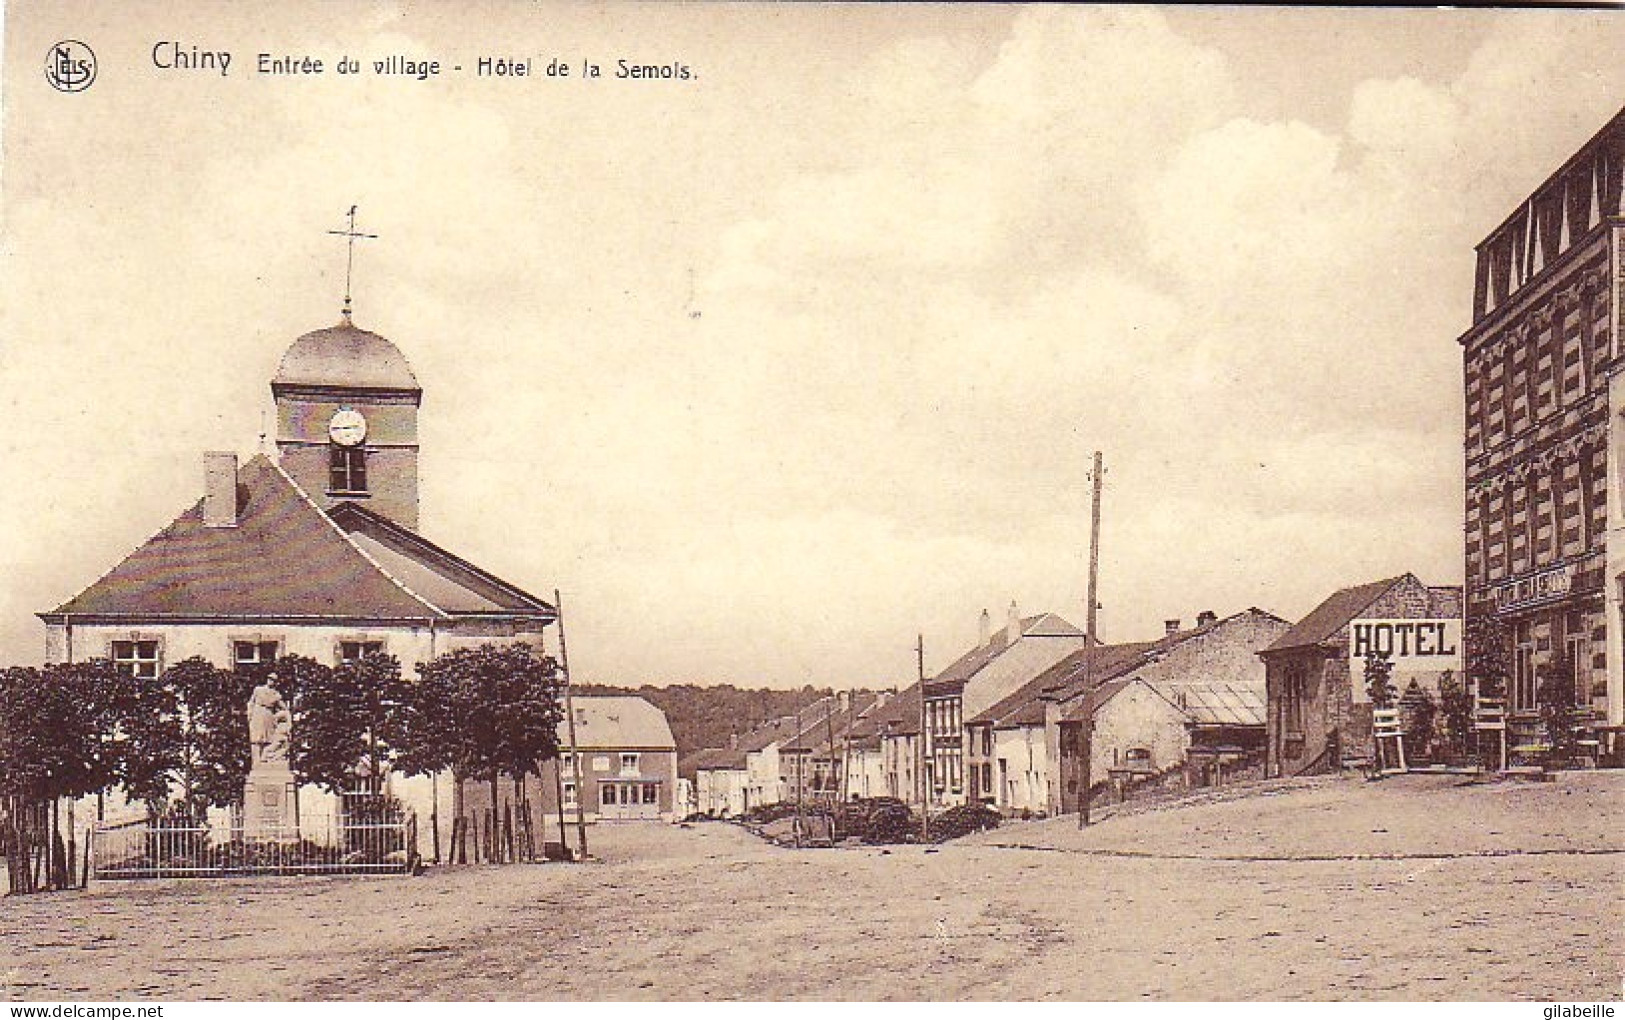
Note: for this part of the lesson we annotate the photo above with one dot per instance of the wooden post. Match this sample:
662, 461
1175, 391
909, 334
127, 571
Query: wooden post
558, 797
919, 766
1086, 734
575, 752
434, 813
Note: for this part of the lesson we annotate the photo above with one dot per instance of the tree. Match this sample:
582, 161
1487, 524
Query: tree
1379, 686
486, 712
59, 738
186, 739
1456, 709
1555, 699
345, 719
1488, 661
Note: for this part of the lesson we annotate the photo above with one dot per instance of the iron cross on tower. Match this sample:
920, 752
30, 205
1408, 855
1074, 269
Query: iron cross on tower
350, 234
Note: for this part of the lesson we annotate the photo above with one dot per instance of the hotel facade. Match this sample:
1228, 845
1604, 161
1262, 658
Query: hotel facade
1543, 452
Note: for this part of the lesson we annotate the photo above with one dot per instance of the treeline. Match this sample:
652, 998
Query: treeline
706, 716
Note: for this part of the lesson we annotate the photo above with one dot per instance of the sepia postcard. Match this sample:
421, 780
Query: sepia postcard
545, 501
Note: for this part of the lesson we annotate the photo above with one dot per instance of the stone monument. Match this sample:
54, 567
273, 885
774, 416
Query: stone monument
268, 792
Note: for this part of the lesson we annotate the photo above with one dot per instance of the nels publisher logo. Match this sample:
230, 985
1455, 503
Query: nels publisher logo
70, 66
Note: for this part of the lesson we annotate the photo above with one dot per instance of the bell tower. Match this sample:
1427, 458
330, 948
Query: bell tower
347, 421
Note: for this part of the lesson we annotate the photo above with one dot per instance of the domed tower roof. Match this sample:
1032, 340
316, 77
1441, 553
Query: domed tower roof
345, 356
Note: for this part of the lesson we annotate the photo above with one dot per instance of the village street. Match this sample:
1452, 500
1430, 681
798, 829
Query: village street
1419, 887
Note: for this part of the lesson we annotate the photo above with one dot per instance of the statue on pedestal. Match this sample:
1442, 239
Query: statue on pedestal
268, 808
269, 723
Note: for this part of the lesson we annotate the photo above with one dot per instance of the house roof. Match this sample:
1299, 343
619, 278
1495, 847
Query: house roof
711, 759
1066, 678
286, 558
609, 723
899, 715
972, 662
825, 729
1332, 615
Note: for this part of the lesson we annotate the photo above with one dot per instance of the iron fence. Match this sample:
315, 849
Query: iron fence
164, 849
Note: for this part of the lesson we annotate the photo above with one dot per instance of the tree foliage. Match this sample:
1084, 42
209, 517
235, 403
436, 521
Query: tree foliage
1555, 699
1488, 659
484, 711
186, 739
1379, 684
59, 729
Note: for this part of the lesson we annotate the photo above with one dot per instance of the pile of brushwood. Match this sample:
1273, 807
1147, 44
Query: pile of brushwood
878, 821
962, 821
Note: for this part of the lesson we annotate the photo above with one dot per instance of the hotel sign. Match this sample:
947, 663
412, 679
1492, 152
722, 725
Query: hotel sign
1419, 649
1548, 584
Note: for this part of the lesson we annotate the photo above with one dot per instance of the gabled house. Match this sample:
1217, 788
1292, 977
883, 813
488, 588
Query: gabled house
1318, 712
718, 779
1157, 706
1001, 664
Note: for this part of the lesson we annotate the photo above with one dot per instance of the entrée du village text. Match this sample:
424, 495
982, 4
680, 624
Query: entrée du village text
175, 56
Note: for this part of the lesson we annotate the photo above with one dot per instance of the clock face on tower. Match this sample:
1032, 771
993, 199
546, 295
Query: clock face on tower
347, 427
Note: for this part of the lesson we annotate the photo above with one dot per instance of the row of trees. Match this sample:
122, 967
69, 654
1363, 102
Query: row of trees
179, 744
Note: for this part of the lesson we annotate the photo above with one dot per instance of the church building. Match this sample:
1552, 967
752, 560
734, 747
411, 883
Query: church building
312, 550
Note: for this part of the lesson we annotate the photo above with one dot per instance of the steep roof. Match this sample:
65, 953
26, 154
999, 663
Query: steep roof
288, 559
1333, 615
898, 716
610, 723
711, 759
1067, 678
968, 665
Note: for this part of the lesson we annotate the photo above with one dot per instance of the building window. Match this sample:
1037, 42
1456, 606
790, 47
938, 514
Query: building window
252, 656
347, 469
650, 793
352, 652
1292, 694
608, 794
138, 659
1523, 670
629, 763
570, 794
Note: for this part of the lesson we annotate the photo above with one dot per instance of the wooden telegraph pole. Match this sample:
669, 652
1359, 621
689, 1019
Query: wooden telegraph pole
1086, 741
925, 782
570, 713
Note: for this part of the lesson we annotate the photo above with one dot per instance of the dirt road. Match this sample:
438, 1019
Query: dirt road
1413, 888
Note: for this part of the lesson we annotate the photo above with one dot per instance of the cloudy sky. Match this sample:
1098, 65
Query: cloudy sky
771, 369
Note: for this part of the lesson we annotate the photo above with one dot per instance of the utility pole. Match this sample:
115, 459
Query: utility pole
925, 782
570, 713
1086, 741
800, 779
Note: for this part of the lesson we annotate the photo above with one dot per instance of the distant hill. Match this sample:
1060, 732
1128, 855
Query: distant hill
703, 717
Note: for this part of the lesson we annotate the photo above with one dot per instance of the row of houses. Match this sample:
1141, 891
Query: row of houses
1003, 724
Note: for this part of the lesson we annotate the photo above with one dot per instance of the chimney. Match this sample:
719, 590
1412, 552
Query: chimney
987, 629
219, 490
733, 741
843, 701
1170, 627
1206, 617
1013, 626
